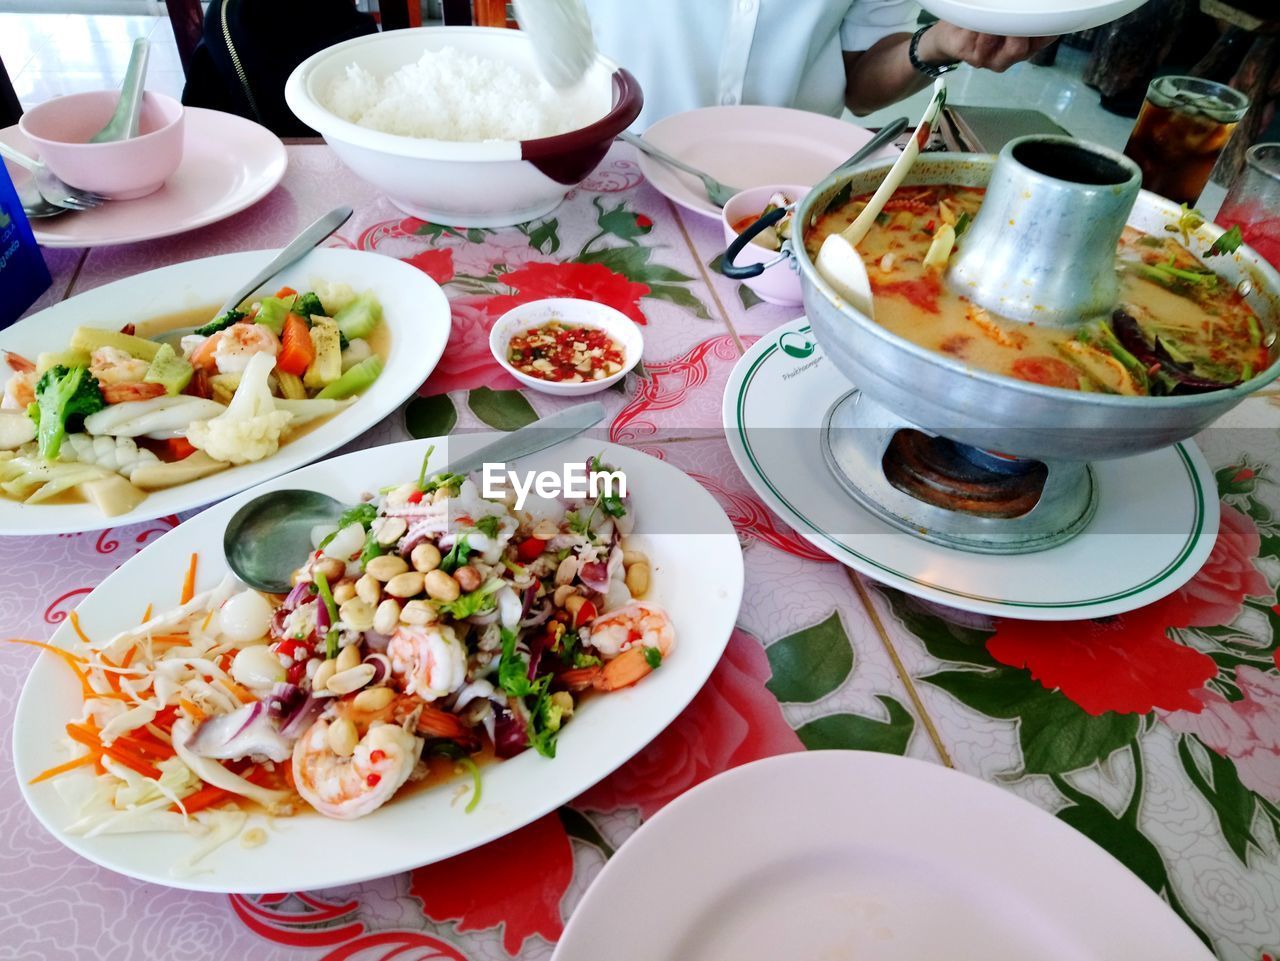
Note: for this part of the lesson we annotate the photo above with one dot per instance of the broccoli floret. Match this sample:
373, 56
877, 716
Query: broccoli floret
63, 394
308, 304
232, 316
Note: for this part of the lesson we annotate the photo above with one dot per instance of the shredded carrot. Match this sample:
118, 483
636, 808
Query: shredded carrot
128, 657
204, 625
74, 618
146, 615
189, 583
144, 747
207, 796
192, 709
242, 695
118, 753
63, 768
71, 660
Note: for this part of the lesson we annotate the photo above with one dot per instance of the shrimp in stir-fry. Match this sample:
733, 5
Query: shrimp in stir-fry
352, 784
110, 365
627, 638
19, 390
238, 344
428, 661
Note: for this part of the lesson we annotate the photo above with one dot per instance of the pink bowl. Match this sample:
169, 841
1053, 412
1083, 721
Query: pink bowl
780, 283
60, 129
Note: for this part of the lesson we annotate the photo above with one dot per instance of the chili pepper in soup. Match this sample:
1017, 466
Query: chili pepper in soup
1178, 328
565, 354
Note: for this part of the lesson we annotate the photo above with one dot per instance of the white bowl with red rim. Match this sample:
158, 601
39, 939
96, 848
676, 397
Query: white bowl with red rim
490, 183
570, 312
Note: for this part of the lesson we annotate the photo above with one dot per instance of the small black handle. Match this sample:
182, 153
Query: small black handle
727, 265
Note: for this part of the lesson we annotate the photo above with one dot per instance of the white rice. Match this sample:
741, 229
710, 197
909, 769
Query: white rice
450, 95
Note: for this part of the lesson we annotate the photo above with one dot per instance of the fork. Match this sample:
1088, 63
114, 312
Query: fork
51, 188
718, 193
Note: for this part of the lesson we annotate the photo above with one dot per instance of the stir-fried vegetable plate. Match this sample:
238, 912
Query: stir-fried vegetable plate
431, 631
104, 417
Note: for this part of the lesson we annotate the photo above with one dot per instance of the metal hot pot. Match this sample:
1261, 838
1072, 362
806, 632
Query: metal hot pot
1041, 249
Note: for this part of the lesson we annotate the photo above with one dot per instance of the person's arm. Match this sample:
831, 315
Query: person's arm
883, 74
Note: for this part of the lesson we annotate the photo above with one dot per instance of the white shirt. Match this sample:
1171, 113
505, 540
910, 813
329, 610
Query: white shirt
697, 53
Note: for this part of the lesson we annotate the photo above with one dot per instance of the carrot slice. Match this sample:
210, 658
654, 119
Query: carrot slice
64, 768
286, 292
144, 747
71, 660
118, 753
297, 350
207, 796
192, 709
146, 615
189, 583
74, 618
242, 695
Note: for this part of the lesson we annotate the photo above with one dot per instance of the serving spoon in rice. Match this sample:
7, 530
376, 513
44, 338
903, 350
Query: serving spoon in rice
560, 33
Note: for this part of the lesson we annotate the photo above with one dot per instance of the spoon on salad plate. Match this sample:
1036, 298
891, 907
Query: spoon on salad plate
269, 537
311, 237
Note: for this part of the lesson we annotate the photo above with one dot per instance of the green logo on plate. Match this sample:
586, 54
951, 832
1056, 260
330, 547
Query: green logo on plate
797, 345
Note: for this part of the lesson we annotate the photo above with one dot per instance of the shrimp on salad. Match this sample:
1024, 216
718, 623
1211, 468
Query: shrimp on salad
430, 622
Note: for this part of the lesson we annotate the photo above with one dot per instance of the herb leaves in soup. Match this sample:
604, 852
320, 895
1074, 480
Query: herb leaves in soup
1179, 327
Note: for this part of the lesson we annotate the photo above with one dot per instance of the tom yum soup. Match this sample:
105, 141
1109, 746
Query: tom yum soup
1178, 328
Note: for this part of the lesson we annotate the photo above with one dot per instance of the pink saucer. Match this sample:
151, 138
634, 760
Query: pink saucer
228, 164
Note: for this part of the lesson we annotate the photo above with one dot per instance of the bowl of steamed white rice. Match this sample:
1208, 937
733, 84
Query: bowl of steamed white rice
455, 125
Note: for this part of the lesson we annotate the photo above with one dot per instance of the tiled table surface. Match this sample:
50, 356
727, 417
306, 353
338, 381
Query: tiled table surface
1157, 733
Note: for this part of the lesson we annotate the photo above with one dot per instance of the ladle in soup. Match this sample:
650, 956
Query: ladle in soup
838, 261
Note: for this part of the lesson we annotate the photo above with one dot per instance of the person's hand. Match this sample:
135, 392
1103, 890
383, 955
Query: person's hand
946, 43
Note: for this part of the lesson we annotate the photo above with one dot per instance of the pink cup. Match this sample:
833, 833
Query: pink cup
122, 170
780, 283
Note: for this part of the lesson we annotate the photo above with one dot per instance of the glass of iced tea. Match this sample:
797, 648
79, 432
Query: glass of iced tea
1184, 124
1253, 202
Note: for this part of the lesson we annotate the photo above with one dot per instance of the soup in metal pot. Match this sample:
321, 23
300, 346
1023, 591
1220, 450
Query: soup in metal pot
1178, 328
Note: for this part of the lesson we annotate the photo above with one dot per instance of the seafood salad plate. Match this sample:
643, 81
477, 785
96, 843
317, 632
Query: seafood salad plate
447, 667
139, 399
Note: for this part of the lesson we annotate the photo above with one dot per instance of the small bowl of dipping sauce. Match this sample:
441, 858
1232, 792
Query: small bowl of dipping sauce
120, 170
566, 346
780, 283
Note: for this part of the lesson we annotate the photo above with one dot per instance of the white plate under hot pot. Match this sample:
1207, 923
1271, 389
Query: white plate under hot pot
1156, 521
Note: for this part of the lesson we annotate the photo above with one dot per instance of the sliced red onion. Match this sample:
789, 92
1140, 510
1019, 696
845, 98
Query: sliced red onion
278, 619
473, 691
595, 575
284, 700
536, 647
376, 642
294, 726
530, 595
381, 667
300, 592
510, 733
484, 619
247, 731
322, 618
539, 615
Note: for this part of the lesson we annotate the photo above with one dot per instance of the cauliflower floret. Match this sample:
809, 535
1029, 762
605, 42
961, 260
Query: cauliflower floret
250, 428
333, 294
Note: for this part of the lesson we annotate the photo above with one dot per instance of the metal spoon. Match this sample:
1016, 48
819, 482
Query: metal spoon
270, 537
310, 238
123, 124
718, 193
35, 206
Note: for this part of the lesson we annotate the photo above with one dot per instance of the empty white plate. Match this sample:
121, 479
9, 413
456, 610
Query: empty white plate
1030, 18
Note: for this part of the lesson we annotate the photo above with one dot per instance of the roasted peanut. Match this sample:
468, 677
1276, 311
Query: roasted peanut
320, 680
545, 529
387, 616
342, 737
385, 567
425, 557
391, 530
406, 584
330, 567
369, 590
634, 557
440, 586
373, 699
468, 578
573, 603
562, 594
343, 591
638, 579
418, 613
344, 682
567, 570
357, 614
347, 658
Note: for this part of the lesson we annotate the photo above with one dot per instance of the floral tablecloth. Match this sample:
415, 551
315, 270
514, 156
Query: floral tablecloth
1156, 734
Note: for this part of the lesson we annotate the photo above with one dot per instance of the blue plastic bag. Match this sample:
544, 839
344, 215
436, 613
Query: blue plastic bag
23, 274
